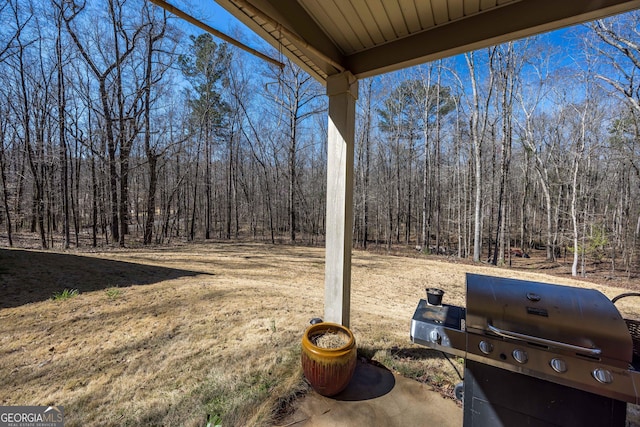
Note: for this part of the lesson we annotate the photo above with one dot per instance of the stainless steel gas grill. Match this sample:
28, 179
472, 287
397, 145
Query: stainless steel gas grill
535, 354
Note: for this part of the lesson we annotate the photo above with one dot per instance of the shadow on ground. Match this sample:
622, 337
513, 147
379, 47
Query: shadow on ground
22, 273
412, 353
417, 353
369, 381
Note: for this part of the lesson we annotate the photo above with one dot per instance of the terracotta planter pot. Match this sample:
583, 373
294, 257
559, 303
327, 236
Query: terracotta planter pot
328, 370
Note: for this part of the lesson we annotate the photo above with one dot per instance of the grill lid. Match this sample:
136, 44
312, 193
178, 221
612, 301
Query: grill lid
562, 318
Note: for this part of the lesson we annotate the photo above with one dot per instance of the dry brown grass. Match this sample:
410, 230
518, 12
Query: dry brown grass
166, 336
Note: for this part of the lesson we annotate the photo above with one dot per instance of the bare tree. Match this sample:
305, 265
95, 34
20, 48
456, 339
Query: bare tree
28, 96
10, 35
116, 138
4, 126
538, 146
478, 126
206, 66
620, 50
364, 161
508, 64
295, 94
62, 140
154, 71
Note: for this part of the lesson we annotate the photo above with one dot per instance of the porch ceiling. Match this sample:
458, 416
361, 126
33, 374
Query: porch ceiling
370, 37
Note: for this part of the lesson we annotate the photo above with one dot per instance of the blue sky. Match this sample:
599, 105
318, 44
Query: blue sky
208, 11
212, 14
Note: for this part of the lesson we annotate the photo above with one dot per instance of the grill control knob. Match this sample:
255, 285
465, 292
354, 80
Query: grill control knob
602, 376
485, 347
520, 355
558, 365
435, 337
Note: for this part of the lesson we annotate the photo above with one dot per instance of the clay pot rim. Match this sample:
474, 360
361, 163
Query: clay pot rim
328, 326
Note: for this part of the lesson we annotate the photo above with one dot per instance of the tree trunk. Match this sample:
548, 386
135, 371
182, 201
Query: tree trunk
3, 176
152, 159
477, 161
292, 179
580, 145
192, 230
38, 199
207, 183
230, 186
366, 167
64, 172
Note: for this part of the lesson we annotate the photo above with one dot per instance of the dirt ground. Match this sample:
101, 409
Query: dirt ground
173, 335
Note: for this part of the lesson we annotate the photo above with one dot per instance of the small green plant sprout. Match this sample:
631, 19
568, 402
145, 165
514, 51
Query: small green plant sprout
214, 421
113, 293
65, 294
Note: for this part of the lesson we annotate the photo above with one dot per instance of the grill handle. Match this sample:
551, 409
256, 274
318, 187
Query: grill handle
543, 341
628, 294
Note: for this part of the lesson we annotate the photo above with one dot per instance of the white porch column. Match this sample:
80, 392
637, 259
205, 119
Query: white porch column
342, 90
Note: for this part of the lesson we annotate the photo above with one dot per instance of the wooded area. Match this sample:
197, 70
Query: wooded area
117, 126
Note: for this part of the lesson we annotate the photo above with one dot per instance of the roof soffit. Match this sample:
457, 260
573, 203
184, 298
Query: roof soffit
380, 36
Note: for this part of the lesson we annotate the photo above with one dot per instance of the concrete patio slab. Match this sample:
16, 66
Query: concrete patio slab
376, 397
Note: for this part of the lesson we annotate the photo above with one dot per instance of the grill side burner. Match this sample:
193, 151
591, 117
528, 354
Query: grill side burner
535, 354
439, 327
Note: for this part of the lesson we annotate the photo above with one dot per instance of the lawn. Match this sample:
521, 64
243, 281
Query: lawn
173, 335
